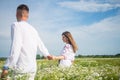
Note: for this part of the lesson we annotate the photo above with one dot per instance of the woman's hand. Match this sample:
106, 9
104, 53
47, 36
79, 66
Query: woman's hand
53, 57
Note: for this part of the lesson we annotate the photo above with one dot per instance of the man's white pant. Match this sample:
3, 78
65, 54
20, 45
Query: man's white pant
23, 76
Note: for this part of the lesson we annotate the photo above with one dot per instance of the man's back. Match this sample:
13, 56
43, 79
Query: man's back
27, 57
25, 41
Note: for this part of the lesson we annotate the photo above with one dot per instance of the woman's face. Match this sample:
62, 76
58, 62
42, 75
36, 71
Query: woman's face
64, 39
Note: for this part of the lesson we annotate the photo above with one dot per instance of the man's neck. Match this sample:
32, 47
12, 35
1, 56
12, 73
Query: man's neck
22, 19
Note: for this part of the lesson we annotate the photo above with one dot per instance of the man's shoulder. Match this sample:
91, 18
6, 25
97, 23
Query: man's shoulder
14, 24
18, 24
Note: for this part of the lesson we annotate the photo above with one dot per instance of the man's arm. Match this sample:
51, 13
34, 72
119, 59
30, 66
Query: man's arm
43, 49
14, 50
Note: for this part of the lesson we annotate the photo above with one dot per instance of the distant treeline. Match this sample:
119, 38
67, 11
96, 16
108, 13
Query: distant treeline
99, 56
79, 56
2, 58
89, 56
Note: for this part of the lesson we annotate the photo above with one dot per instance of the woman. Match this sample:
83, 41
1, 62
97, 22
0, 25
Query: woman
68, 53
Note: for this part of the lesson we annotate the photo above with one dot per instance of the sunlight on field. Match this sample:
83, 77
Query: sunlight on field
83, 69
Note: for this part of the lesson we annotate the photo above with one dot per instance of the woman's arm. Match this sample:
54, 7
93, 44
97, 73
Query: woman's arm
58, 57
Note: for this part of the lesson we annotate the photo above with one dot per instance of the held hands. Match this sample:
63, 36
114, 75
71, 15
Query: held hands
51, 57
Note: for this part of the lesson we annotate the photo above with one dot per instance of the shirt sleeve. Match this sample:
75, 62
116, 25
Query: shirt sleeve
42, 47
15, 48
68, 53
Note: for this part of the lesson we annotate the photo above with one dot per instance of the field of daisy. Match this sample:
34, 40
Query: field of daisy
83, 69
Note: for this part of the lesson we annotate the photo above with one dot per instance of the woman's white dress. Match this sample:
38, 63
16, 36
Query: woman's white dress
69, 55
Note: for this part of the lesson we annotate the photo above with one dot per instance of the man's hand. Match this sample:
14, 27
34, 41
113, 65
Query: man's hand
49, 57
4, 74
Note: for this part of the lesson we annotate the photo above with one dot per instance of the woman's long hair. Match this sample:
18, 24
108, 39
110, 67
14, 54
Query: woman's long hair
71, 41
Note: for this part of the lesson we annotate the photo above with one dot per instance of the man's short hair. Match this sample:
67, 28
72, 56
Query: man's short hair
23, 7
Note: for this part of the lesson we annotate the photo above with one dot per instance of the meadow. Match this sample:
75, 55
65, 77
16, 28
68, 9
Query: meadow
83, 69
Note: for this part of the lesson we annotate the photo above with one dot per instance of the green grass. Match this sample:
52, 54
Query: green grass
83, 69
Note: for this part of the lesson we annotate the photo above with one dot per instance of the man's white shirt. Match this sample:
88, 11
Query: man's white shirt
25, 41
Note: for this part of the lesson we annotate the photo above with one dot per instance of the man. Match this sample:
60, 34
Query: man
25, 40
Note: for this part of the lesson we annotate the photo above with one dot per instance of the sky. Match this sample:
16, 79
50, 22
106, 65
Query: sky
94, 24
